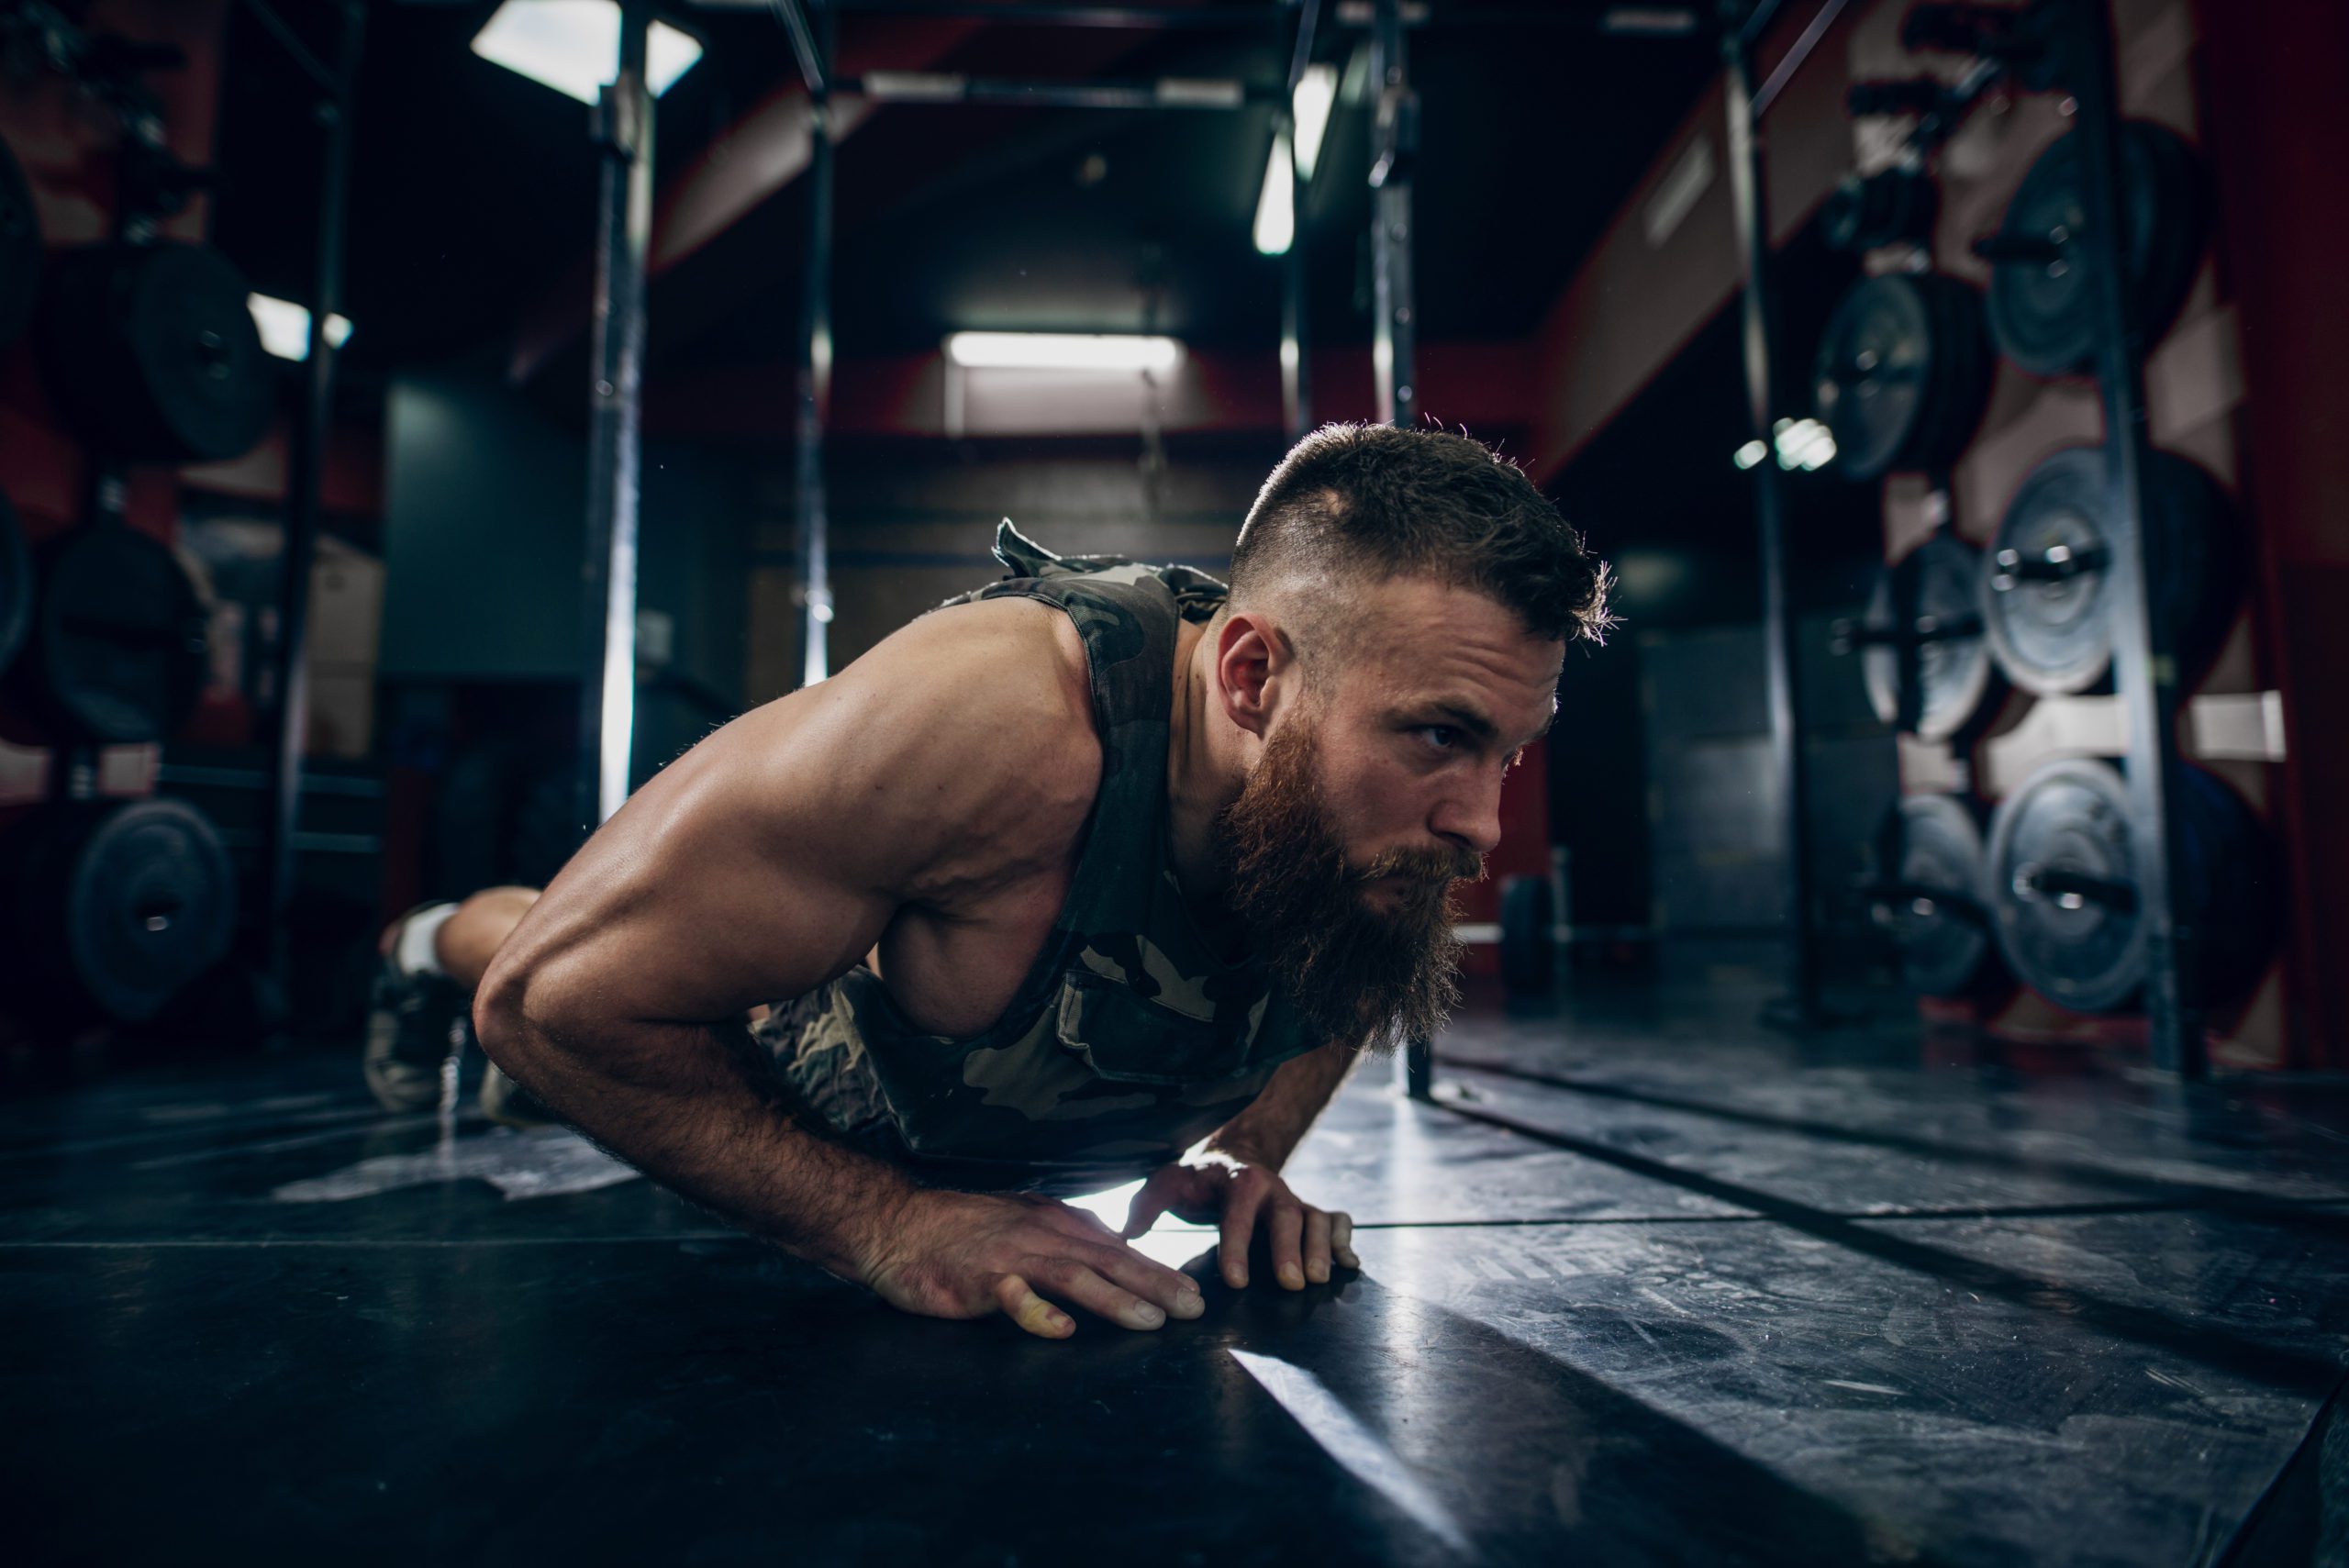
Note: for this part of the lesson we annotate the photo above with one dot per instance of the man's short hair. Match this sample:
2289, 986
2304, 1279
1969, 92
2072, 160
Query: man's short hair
1352, 506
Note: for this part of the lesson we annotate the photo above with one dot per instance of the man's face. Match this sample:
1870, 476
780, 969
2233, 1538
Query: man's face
1373, 794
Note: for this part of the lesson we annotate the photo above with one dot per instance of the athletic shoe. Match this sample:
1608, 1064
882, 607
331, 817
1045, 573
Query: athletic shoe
415, 1022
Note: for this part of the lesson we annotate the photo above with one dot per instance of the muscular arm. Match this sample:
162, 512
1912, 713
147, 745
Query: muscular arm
1269, 1130
767, 860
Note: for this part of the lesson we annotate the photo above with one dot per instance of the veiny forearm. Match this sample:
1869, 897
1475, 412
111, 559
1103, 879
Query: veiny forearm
1269, 1130
695, 1108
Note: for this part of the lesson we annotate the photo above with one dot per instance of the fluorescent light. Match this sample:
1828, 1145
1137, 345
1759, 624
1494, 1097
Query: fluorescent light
286, 326
1316, 90
574, 46
1062, 351
1751, 454
1276, 203
1806, 444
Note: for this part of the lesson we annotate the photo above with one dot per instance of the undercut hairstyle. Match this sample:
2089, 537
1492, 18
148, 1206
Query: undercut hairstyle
1353, 506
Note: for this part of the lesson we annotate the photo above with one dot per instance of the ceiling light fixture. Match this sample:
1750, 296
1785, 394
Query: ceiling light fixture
1276, 203
1275, 229
1062, 351
286, 326
574, 46
1316, 90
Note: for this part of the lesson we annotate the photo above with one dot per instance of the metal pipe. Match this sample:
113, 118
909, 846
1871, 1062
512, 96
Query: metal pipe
304, 470
1309, 16
814, 381
1808, 41
1297, 370
951, 88
803, 45
2145, 645
615, 438
1034, 12
1779, 632
1394, 144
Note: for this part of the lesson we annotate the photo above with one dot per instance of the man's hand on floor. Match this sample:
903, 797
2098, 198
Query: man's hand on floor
1304, 1240
954, 1254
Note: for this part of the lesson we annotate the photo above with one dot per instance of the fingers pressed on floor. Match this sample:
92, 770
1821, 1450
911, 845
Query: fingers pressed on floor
1286, 1233
1072, 1282
1318, 1230
1152, 1282
1239, 1228
1032, 1312
1341, 1241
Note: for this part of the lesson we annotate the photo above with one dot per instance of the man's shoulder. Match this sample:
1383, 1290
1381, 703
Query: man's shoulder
995, 705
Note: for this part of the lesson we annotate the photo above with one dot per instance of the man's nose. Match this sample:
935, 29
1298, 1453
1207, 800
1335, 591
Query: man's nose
1471, 816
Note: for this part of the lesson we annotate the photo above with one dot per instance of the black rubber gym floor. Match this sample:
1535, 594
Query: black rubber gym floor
1649, 1286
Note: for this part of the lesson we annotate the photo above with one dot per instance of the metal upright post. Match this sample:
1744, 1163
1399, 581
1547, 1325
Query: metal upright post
815, 371
1296, 335
1395, 144
304, 467
615, 439
1297, 375
1394, 352
2145, 645
1779, 646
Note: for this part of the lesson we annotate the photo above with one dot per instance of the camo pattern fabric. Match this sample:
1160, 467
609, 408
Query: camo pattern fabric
1131, 1038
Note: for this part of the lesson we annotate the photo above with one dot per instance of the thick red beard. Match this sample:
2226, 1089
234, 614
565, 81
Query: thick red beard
1355, 971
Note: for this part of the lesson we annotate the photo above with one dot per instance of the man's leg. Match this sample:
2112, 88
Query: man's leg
434, 956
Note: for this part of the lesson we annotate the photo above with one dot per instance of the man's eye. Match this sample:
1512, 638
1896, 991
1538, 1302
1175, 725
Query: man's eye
1443, 737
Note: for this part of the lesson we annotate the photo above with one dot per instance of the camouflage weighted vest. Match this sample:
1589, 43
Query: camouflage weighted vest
1133, 1035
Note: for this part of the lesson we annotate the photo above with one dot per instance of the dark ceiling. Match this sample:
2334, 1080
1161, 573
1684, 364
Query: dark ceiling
474, 190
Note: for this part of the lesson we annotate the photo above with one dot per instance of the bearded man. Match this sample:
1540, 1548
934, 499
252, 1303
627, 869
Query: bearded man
1061, 879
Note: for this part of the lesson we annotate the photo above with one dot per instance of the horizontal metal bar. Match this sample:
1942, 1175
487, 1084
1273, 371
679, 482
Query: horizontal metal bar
308, 843
1034, 12
1231, 17
190, 775
1167, 92
1484, 934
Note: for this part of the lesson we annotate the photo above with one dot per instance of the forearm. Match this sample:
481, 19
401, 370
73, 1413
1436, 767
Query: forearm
1269, 1130
695, 1108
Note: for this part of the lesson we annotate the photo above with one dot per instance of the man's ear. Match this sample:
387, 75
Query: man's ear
1251, 660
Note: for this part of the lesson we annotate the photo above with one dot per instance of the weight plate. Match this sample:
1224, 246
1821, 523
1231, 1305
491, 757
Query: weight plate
117, 907
19, 250
1928, 896
15, 584
1898, 379
2063, 876
1927, 668
2085, 950
2046, 597
2042, 312
1528, 938
116, 653
152, 355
